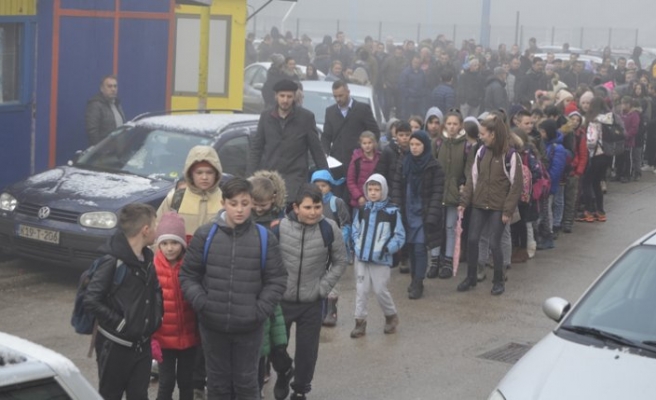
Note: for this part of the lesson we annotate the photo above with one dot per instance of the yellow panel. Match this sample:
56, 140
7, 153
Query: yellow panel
17, 7
236, 9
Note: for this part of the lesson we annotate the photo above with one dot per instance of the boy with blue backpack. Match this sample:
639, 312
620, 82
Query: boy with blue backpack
233, 277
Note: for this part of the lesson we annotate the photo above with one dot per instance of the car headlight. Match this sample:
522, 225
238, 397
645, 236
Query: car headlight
98, 219
8, 202
496, 395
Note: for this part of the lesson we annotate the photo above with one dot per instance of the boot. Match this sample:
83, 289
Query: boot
433, 268
556, 232
417, 289
520, 256
546, 244
199, 394
331, 313
391, 322
360, 328
298, 396
446, 271
404, 269
281, 388
498, 288
480, 273
467, 284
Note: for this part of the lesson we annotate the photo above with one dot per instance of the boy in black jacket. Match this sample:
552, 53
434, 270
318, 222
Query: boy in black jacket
130, 311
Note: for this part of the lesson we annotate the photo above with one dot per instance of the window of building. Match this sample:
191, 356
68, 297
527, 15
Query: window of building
10, 44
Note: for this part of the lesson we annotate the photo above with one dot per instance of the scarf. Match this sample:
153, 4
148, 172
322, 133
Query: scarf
414, 166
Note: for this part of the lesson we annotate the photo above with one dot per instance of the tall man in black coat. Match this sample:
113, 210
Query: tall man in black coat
344, 122
104, 112
284, 136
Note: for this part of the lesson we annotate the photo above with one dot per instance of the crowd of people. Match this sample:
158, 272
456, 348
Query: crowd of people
238, 261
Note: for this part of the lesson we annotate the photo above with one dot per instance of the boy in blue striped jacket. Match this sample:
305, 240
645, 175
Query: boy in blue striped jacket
377, 234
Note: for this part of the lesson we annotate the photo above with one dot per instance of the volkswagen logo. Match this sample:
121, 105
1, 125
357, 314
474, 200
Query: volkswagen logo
44, 212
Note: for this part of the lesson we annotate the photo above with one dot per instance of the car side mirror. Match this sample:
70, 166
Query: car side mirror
556, 308
258, 86
76, 157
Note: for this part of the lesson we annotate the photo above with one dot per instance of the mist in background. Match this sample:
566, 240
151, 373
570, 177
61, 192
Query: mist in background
582, 23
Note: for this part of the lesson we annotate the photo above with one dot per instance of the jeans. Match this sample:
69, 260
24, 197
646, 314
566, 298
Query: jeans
418, 260
480, 219
558, 207
307, 317
570, 197
596, 172
451, 219
122, 370
545, 223
636, 157
178, 366
484, 245
232, 361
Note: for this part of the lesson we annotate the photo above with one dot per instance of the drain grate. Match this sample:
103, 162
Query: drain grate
509, 353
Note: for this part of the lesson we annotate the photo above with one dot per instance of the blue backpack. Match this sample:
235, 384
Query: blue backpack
264, 237
81, 320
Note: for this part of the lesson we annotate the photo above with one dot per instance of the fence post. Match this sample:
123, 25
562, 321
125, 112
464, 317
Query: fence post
517, 29
582, 32
521, 36
553, 35
380, 31
255, 25
337, 26
298, 27
455, 30
418, 33
610, 36
636, 37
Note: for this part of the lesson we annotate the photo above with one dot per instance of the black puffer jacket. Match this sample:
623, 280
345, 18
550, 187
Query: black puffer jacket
389, 161
99, 117
232, 293
134, 311
432, 192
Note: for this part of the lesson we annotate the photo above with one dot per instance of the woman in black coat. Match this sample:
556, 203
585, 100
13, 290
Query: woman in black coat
418, 189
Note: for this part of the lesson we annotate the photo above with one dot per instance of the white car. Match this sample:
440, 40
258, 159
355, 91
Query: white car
565, 57
32, 372
604, 348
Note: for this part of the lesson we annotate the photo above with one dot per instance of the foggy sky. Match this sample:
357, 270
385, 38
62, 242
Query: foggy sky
359, 17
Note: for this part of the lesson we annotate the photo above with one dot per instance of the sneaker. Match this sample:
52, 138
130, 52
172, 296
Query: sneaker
588, 217
600, 217
647, 168
480, 273
433, 268
498, 288
199, 394
281, 389
298, 396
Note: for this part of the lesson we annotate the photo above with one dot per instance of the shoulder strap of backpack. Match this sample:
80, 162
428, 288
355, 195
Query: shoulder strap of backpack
328, 239
392, 221
208, 242
333, 209
264, 238
176, 201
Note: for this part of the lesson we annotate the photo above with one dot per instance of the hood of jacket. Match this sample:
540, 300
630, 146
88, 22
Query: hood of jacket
220, 220
199, 154
325, 176
461, 134
278, 185
378, 178
118, 246
434, 111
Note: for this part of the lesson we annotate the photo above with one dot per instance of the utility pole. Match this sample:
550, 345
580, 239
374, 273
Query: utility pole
485, 24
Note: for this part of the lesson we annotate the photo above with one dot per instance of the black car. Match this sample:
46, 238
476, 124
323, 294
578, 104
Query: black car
63, 215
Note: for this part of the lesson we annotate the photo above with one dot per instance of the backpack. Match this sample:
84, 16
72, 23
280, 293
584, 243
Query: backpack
176, 200
542, 185
264, 238
82, 321
333, 209
506, 164
527, 177
613, 136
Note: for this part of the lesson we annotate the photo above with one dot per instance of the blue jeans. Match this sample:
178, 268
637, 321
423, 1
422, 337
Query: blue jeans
451, 220
559, 206
418, 260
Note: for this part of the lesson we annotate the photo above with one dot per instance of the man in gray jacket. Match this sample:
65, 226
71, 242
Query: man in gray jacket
314, 265
104, 112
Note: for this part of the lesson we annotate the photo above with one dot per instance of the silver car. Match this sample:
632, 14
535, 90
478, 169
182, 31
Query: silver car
30, 371
604, 347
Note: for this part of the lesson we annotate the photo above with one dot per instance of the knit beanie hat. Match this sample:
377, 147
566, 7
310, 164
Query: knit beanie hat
586, 96
171, 227
551, 128
563, 95
571, 107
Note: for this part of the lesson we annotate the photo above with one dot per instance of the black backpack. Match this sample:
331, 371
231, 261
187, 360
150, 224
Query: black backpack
613, 136
82, 320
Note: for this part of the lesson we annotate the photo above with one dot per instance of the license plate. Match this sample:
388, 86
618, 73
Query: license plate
43, 235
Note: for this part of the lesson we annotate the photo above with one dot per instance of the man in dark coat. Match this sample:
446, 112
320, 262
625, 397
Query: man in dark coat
250, 52
470, 89
104, 112
284, 136
496, 96
390, 73
577, 76
344, 122
414, 89
532, 81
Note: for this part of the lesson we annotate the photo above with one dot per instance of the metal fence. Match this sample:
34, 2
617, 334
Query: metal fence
583, 37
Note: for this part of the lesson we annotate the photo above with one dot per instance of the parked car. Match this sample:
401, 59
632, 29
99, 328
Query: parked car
32, 372
63, 215
604, 347
318, 95
565, 57
254, 77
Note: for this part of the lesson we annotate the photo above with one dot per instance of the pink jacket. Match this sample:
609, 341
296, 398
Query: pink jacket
359, 170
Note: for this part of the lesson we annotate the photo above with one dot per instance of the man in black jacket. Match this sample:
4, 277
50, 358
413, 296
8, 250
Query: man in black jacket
233, 292
344, 122
104, 112
532, 81
284, 136
130, 311
496, 97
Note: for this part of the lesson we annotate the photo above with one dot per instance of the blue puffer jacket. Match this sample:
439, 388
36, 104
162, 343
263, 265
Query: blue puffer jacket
557, 158
375, 242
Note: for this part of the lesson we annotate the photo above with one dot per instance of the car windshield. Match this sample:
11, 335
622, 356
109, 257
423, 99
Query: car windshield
317, 102
143, 151
622, 302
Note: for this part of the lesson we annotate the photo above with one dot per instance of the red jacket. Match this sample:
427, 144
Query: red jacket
580, 161
178, 330
359, 170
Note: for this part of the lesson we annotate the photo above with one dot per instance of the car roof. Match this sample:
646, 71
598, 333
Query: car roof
303, 68
17, 353
649, 239
208, 124
327, 87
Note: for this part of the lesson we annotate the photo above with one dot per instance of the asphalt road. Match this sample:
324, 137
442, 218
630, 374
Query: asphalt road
436, 353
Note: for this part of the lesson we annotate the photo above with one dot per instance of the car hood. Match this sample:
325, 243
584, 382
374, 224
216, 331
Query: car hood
74, 188
558, 369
